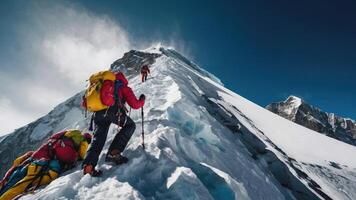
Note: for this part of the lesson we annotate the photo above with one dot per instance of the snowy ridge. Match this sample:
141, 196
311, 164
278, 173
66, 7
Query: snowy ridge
205, 142
184, 61
179, 134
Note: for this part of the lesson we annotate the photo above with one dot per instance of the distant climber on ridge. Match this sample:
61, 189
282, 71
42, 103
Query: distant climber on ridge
40, 167
106, 97
144, 72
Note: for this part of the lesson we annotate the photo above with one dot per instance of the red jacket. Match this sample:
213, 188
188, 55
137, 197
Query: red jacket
46, 152
145, 70
125, 93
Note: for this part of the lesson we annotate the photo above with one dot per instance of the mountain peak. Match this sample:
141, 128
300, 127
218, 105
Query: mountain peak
292, 97
156, 48
294, 100
297, 110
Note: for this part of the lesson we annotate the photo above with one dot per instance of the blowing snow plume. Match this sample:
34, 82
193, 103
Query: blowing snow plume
203, 141
58, 45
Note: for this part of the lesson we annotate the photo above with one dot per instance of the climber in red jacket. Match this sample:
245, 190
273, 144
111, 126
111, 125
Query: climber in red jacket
144, 72
114, 114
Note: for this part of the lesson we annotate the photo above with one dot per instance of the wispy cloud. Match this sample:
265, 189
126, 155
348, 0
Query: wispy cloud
174, 39
11, 117
61, 45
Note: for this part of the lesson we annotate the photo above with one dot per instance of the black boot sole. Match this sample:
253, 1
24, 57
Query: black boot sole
120, 162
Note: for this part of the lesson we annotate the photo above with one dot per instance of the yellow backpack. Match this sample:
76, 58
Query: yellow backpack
75, 135
79, 142
92, 97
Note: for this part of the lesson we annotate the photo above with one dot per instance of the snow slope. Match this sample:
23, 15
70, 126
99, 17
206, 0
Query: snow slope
205, 142
328, 163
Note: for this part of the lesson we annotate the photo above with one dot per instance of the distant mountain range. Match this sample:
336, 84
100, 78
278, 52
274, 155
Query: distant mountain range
300, 112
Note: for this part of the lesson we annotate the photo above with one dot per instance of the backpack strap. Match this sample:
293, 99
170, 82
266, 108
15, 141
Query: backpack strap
50, 145
40, 174
91, 123
118, 85
43, 171
84, 105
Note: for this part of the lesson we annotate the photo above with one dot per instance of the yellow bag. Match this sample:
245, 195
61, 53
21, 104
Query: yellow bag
76, 136
83, 150
92, 94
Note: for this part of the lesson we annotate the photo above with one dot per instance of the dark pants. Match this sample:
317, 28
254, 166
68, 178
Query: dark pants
144, 77
102, 124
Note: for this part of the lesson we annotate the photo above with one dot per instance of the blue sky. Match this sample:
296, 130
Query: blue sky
262, 50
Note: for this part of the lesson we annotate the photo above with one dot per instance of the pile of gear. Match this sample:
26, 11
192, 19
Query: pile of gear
106, 98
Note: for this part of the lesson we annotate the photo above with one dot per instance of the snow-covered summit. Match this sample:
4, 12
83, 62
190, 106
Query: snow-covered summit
203, 141
294, 100
155, 48
290, 107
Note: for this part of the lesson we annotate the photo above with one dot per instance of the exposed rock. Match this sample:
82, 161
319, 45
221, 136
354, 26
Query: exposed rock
133, 60
300, 112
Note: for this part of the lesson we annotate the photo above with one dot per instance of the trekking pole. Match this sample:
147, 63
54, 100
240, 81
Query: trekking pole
143, 133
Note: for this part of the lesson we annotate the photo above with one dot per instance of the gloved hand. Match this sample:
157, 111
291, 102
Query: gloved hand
142, 97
